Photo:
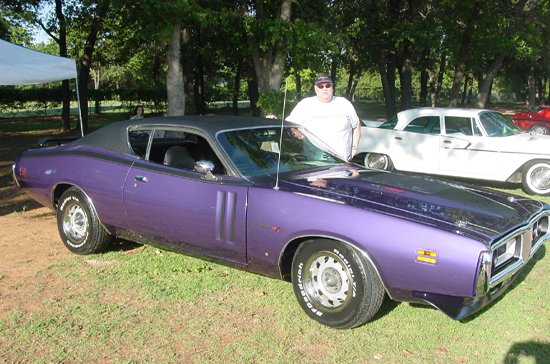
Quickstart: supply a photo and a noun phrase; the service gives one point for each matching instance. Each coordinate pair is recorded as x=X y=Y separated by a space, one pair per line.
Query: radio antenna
x=281 y=139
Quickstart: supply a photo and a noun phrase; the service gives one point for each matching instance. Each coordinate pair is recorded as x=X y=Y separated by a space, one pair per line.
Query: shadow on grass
x=522 y=351
x=121 y=245
x=388 y=305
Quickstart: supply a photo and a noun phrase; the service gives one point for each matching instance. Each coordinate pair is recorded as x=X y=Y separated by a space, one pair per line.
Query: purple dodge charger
x=272 y=199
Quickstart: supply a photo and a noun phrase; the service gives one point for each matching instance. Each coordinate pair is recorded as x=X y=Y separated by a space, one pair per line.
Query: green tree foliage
x=404 y=52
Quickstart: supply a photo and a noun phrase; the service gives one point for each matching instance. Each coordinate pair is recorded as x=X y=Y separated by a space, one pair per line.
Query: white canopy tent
x=24 y=66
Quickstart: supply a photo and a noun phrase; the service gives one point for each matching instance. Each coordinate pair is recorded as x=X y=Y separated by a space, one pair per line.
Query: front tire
x=536 y=178
x=335 y=285
x=78 y=224
x=378 y=161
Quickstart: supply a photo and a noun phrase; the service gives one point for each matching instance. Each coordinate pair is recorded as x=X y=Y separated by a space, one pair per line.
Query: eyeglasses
x=327 y=85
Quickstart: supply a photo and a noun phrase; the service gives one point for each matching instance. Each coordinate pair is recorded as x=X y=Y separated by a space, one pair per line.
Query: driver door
x=175 y=205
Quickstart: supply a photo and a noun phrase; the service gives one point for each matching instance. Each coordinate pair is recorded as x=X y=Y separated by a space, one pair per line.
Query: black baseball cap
x=323 y=78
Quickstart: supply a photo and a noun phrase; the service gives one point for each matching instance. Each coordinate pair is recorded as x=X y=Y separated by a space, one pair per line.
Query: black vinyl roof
x=114 y=136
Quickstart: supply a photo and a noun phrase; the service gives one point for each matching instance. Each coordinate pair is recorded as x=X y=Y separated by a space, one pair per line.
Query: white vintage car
x=467 y=143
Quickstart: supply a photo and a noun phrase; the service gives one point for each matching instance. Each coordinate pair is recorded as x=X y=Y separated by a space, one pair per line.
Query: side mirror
x=206 y=167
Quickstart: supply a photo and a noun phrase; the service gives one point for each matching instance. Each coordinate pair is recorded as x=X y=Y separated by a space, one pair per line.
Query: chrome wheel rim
x=377 y=161
x=328 y=280
x=540 y=177
x=539 y=129
x=75 y=224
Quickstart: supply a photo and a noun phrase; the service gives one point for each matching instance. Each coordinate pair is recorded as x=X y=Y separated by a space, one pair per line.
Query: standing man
x=332 y=119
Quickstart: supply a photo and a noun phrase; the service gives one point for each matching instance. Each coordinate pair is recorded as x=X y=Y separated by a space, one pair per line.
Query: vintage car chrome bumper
x=14 y=175
x=497 y=269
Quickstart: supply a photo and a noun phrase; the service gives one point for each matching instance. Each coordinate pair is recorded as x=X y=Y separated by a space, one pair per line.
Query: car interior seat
x=179 y=157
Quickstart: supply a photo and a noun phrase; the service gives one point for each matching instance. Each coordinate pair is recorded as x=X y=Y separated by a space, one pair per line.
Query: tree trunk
x=298 y=79
x=200 y=104
x=486 y=83
x=252 y=82
x=424 y=79
x=463 y=54
x=433 y=88
x=541 y=85
x=188 y=74
x=465 y=90
x=85 y=64
x=440 y=79
x=236 y=89
x=470 y=90
x=65 y=88
x=353 y=88
x=460 y=67
x=174 y=75
x=269 y=63
x=531 y=86
x=389 y=96
x=351 y=77
x=333 y=69
x=406 y=77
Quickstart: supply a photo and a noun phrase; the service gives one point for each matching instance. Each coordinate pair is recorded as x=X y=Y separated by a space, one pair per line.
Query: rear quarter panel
x=98 y=173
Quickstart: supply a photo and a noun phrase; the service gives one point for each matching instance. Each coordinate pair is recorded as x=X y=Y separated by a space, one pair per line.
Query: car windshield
x=496 y=125
x=255 y=152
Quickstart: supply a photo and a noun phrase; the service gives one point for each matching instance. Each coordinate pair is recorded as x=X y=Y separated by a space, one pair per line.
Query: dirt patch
x=29 y=241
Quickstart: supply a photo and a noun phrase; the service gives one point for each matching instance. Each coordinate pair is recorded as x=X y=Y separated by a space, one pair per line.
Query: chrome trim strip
x=484 y=274
x=14 y=175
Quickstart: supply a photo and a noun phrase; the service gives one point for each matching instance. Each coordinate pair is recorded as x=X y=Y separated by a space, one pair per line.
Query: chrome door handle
x=141 y=178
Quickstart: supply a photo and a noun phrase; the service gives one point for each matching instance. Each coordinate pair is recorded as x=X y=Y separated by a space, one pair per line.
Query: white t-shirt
x=332 y=122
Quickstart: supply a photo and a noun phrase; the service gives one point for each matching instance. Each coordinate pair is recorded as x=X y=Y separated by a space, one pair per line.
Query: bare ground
x=28 y=234
x=28 y=231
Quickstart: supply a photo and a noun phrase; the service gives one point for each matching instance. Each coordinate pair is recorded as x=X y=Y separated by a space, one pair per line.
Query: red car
x=538 y=122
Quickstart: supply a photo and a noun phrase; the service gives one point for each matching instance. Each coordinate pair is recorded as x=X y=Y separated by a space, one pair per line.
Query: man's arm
x=356 y=135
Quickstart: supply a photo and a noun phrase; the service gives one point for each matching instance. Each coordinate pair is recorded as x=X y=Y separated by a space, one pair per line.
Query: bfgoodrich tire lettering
x=335 y=284
x=78 y=224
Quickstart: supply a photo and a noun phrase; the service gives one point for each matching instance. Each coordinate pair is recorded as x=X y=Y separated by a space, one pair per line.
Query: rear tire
x=536 y=178
x=78 y=224
x=335 y=285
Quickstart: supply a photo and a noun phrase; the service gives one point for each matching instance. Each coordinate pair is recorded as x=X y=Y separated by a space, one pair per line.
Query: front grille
x=509 y=254
x=512 y=252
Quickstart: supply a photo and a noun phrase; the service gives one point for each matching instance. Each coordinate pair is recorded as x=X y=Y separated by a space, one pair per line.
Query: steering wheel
x=296 y=158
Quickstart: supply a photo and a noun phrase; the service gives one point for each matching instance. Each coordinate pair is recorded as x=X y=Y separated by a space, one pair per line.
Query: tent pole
x=78 y=103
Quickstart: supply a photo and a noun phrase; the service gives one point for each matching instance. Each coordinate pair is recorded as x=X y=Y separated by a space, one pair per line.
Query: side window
x=139 y=139
x=179 y=149
x=418 y=125
x=424 y=125
x=390 y=124
x=460 y=125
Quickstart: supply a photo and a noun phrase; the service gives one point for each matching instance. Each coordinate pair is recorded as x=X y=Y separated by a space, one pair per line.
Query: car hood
x=451 y=206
